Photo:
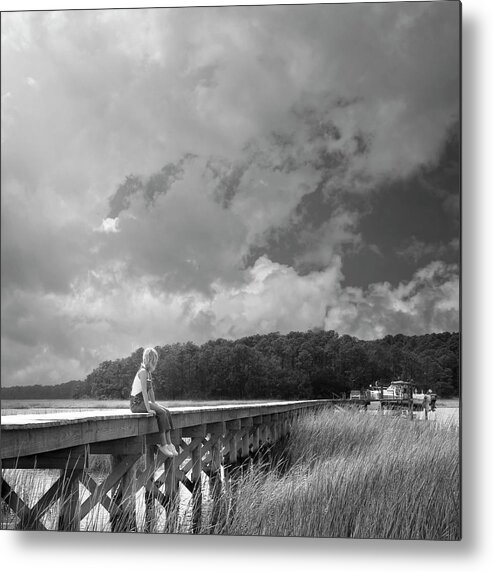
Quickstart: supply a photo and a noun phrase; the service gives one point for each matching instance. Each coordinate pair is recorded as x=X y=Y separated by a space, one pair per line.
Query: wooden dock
x=212 y=440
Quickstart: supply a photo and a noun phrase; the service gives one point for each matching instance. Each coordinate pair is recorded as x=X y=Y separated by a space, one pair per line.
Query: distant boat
x=397 y=391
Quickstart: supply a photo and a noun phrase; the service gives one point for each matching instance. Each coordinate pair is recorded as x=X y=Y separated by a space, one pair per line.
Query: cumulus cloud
x=109 y=225
x=271 y=297
x=429 y=302
x=149 y=157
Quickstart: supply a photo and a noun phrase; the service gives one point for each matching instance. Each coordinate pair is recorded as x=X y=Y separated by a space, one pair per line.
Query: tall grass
x=339 y=474
x=353 y=475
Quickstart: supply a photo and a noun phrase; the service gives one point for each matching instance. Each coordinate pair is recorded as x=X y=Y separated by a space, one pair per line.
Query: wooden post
x=274 y=421
x=266 y=430
x=215 y=483
x=231 y=429
x=172 y=484
x=246 y=423
x=149 y=496
x=261 y=436
x=257 y=423
x=123 y=516
x=196 y=488
x=244 y=444
x=256 y=439
x=172 y=492
x=233 y=448
x=129 y=513
x=281 y=425
x=69 y=515
x=411 y=404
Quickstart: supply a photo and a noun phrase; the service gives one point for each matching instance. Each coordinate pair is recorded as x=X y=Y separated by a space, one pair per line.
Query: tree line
x=60 y=391
x=299 y=365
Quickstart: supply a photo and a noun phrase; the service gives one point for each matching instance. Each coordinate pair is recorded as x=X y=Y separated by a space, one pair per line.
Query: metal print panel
x=231 y=269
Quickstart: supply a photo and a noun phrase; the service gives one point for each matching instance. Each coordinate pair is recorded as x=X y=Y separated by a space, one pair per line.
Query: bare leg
x=164 y=424
x=165 y=438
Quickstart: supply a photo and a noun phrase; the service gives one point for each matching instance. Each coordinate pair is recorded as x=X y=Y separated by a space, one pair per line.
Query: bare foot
x=165 y=450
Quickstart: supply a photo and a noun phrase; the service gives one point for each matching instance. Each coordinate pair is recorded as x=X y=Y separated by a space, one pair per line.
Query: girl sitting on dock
x=142 y=400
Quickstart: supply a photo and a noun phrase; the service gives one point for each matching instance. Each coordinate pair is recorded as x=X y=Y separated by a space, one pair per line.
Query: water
x=25 y=406
x=19 y=406
x=440 y=415
x=30 y=484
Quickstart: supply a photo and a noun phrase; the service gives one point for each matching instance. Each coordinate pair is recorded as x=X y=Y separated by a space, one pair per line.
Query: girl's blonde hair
x=149 y=358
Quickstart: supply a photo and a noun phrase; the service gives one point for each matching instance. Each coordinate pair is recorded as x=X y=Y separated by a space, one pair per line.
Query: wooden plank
x=21 y=442
x=216 y=428
x=233 y=425
x=194 y=443
x=187 y=467
x=207 y=445
x=160 y=497
x=187 y=483
x=69 y=458
x=110 y=481
x=91 y=485
x=69 y=512
x=196 y=416
x=151 y=439
x=24 y=435
x=211 y=413
x=195 y=431
x=45 y=461
x=42 y=505
x=127 y=446
x=28 y=519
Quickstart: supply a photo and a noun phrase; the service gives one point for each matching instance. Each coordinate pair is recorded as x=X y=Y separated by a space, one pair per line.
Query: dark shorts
x=164 y=420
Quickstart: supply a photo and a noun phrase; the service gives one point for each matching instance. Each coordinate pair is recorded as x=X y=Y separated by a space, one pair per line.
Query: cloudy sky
x=194 y=173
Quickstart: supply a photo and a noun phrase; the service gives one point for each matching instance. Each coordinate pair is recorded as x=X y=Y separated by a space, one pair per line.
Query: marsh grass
x=340 y=474
x=351 y=475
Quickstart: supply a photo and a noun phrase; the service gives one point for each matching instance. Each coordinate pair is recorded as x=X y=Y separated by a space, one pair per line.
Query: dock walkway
x=212 y=440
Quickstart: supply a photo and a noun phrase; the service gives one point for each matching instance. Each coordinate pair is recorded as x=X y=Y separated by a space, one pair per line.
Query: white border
x=96 y=551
